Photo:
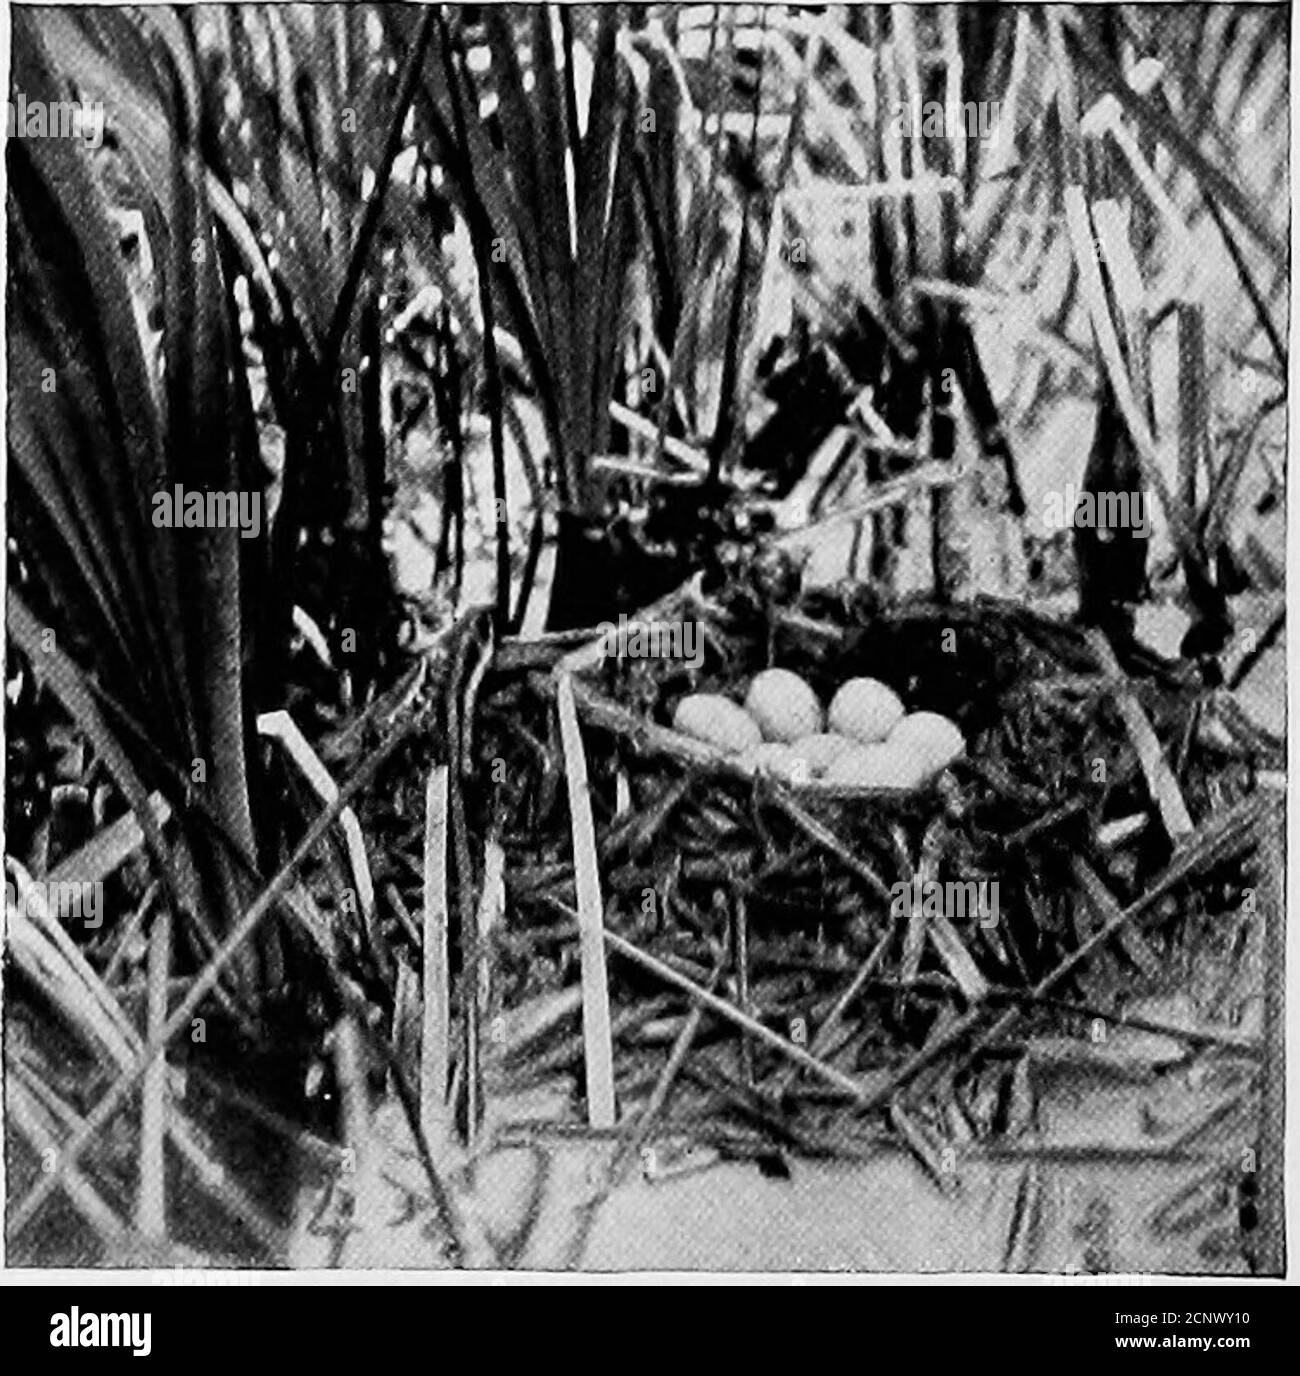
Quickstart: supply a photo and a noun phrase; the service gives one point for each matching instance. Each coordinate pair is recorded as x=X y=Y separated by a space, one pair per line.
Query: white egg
x=783 y=705
x=935 y=738
x=719 y=721
x=865 y=710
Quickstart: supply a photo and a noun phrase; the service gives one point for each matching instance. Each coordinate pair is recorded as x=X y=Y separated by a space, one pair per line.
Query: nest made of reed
x=776 y=895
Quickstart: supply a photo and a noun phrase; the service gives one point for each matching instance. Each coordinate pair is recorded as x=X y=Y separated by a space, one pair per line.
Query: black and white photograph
x=645 y=639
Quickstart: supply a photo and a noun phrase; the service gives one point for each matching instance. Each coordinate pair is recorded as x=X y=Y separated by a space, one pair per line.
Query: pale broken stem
x=914 y=934
x=740 y=959
x=405 y=1028
x=435 y=1034
x=403 y=915
x=1161 y=783
x=1078 y=220
x=491 y=909
x=532 y=617
x=598 y=1049
x=1094 y=295
x=1114 y=835
x=794 y=511
x=109 y=848
x=151 y=1204
x=957 y=960
x=350 y=1075
x=931 y=476
x=692 y=458
x=1130 y=300
x=486 y=652
x=280 y=726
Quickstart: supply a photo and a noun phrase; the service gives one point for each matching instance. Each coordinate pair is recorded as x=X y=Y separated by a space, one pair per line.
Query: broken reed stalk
x=598 y=1046
x=24 y=1210
x=956 y=959
x=1193 y=410
x=281 y=727
x=484 y=653
x=942 y=934
x=406 y=1028
x=469 y=1077
x=914 y=934
x=110 y=847
x=402 y=913
x=151 y=1203
x=435 y=1034
x=491 y=910
x=347 y=1052
x=740 y=956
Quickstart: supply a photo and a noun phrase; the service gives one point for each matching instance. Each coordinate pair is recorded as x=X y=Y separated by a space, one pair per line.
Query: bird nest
x=813 y=952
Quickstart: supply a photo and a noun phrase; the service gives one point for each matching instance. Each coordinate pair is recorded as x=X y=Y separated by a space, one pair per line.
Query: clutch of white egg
x=866 y=739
